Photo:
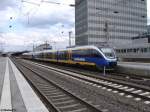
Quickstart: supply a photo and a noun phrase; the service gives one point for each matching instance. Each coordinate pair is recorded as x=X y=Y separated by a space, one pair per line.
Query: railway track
x=140 y=80
x=56 y=97
x=128 y=90
x=131 y=76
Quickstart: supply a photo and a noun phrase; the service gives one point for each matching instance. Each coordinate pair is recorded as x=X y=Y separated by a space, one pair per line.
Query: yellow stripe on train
x=69 y=62
x=76 y=62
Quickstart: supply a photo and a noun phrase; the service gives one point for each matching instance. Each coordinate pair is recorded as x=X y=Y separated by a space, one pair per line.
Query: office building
x=109 y=21
x=42 y=47
x=148 y=29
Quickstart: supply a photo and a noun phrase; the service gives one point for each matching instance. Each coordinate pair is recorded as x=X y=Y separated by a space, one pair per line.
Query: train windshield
x=108 y=52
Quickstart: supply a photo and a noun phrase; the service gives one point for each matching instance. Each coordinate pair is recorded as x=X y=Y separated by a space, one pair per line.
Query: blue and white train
x=85 y=55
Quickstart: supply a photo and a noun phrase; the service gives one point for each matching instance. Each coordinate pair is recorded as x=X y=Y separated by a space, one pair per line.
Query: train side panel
x=83 y=56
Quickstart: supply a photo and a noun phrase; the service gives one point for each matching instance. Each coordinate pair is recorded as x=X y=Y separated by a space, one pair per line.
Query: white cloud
x=56 y=36
x=47 y=22
x=148 y=11
x=46 y=16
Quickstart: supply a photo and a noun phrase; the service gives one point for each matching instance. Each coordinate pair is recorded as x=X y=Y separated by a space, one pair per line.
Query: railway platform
x=16 y=95
x=134 y=68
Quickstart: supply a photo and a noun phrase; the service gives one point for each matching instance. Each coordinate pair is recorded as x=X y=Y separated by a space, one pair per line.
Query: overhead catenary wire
x=28 y=13
x=58 y=3
x=39 y=4
x=33 y=3
x=43 y=1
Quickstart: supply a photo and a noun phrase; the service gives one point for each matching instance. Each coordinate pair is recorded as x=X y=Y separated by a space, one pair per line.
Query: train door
x=57 y=56
x=69 y=56
x=53 y=55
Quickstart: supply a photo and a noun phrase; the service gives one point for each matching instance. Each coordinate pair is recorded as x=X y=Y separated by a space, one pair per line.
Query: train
x=134 y=53
x=137 y=51
x=90 y=55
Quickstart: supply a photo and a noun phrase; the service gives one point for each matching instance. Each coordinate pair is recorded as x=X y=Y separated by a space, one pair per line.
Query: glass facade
x=148 y=29
x=112 y=21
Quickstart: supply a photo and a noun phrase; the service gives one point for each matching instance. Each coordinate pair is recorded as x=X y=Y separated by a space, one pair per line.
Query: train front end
x=109 y=56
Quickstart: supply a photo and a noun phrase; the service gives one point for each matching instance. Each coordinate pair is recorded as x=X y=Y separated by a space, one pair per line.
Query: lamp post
x=106 y=30
x=106 y=23
x=70 y=34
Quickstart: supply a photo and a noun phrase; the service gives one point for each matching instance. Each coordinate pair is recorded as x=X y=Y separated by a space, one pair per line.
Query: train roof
x=73 y=48
x=89 y=46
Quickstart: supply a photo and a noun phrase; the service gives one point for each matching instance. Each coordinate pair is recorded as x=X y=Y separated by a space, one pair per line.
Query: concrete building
x=42 y=47
x=139 y=50
x=112 y=21
x=148 y=29
x=141 y=39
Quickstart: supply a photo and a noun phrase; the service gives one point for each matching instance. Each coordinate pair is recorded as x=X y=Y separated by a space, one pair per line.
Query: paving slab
x=31 y=100
x=16 y=95
x=2 y=73
x=17 y=100
x=5 y=103
x=134 y=68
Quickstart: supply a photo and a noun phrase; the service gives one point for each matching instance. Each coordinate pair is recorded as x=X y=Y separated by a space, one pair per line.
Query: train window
x=130 y=50
x=117 y=50
x=50 y=55
x=142 y=50
x=66 y=56
x=149 y=40
x=86 y=53
x=108 y=52
x=44 y=55
x=124 y=50
x=60 y=55
x=80 y=53
x=95 y=53
x=145 y=49
x=120 y=50
x=41 y=55
x=137 y=50
x=54 y=55
x=134 y=50
x=75 y=52
x=63 y=55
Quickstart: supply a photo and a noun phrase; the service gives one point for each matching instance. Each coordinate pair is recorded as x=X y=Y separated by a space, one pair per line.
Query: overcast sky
x=22 y=23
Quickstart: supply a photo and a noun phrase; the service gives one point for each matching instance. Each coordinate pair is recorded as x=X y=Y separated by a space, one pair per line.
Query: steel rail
x=92 y=107
x=103 y=84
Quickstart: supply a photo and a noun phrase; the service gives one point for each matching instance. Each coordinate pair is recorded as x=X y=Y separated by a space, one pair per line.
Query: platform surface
x=136 y=68
x=16 y=95
x=135 y=64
